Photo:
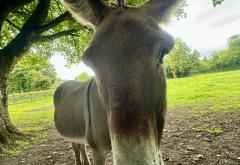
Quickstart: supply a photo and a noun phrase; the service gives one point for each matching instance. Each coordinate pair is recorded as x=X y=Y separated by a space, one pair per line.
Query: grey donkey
x=122 y=109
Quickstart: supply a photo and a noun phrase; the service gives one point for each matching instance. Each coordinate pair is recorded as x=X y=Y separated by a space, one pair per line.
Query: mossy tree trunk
x=6 y=126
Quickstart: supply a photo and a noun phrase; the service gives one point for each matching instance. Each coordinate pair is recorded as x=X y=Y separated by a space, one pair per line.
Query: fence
x=28 y=97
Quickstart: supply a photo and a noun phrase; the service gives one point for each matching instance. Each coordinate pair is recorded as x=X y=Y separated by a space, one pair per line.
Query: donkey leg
x=98 y=157
x=76 y=148
x=160 y=158
x=84 y=154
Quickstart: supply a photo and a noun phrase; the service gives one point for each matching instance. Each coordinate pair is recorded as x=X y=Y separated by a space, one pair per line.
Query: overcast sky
x=206 y=29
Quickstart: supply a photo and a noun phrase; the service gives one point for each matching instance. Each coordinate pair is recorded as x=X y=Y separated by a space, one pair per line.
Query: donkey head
x=126 y=55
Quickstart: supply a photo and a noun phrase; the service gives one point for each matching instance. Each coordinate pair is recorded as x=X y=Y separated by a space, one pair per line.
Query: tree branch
x=38 y=16
x=6 y=6
x=59 y=8
x=63 y=17
x=56 y=35
x=12 y=24
x=21 y=13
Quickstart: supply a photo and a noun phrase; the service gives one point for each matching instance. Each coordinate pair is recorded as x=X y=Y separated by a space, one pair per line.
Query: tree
x=33 y=24
x=234 y=42
x=181 y=60
x=226 y=59
x=33 y=72
x=195 y=62
x=83 y=77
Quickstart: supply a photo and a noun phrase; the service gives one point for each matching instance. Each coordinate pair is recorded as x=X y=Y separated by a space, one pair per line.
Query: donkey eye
x=161 y=54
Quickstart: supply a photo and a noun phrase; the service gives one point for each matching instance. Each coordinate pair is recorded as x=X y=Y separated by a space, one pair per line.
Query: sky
x=206 y=29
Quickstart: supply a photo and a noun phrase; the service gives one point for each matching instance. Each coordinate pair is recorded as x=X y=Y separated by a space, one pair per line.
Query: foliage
x=217 y=2
x=227 y=59
x=71 y=46
x=234 y=42
x=57 y=83
x=33 y=72
x=83 y=77
x=181 y=60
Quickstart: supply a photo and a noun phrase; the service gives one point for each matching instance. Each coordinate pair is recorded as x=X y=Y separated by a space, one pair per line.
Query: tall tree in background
x=32 y=73
x=234 y=42
x=181 y=60
x=83 y=77
x=226 y=59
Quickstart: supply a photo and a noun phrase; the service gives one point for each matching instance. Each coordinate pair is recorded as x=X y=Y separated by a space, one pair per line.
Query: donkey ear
x=161 y=10
x=87 y=12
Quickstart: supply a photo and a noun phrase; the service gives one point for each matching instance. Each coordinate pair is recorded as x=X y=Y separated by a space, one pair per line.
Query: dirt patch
x=191 y=139
x=42 y=108
x=188 y=139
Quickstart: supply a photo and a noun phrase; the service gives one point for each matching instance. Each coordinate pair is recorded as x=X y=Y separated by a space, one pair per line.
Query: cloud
x=207 y=28
x=227 y=13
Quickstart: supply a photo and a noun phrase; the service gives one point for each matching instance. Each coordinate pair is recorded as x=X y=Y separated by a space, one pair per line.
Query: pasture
x=202 y=125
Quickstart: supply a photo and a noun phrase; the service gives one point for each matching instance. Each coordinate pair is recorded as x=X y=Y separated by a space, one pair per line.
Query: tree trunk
x=7 y=129
x=12 y=53
x=174 y=74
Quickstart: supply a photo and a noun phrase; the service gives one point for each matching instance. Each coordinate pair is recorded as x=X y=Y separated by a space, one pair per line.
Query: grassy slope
x=214 y=91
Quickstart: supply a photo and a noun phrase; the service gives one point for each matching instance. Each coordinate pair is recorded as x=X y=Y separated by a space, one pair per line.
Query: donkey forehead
x=127 y=32
x=128 y=25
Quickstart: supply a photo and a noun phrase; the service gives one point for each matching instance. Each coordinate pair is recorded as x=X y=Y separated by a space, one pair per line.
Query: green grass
x=22 y=116
x=212 y=131
x=30 y=122
x=213 y=92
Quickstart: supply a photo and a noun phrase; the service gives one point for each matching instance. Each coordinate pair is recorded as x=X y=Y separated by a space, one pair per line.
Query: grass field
x=200 y=93
x=30 y=118
x=212 y=92
x=30 y=115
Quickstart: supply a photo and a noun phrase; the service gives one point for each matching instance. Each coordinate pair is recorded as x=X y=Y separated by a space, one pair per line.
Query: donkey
x=80 y=154
x=123 y=107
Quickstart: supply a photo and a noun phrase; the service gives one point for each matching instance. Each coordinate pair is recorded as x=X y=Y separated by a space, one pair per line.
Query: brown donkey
x=122 y=109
